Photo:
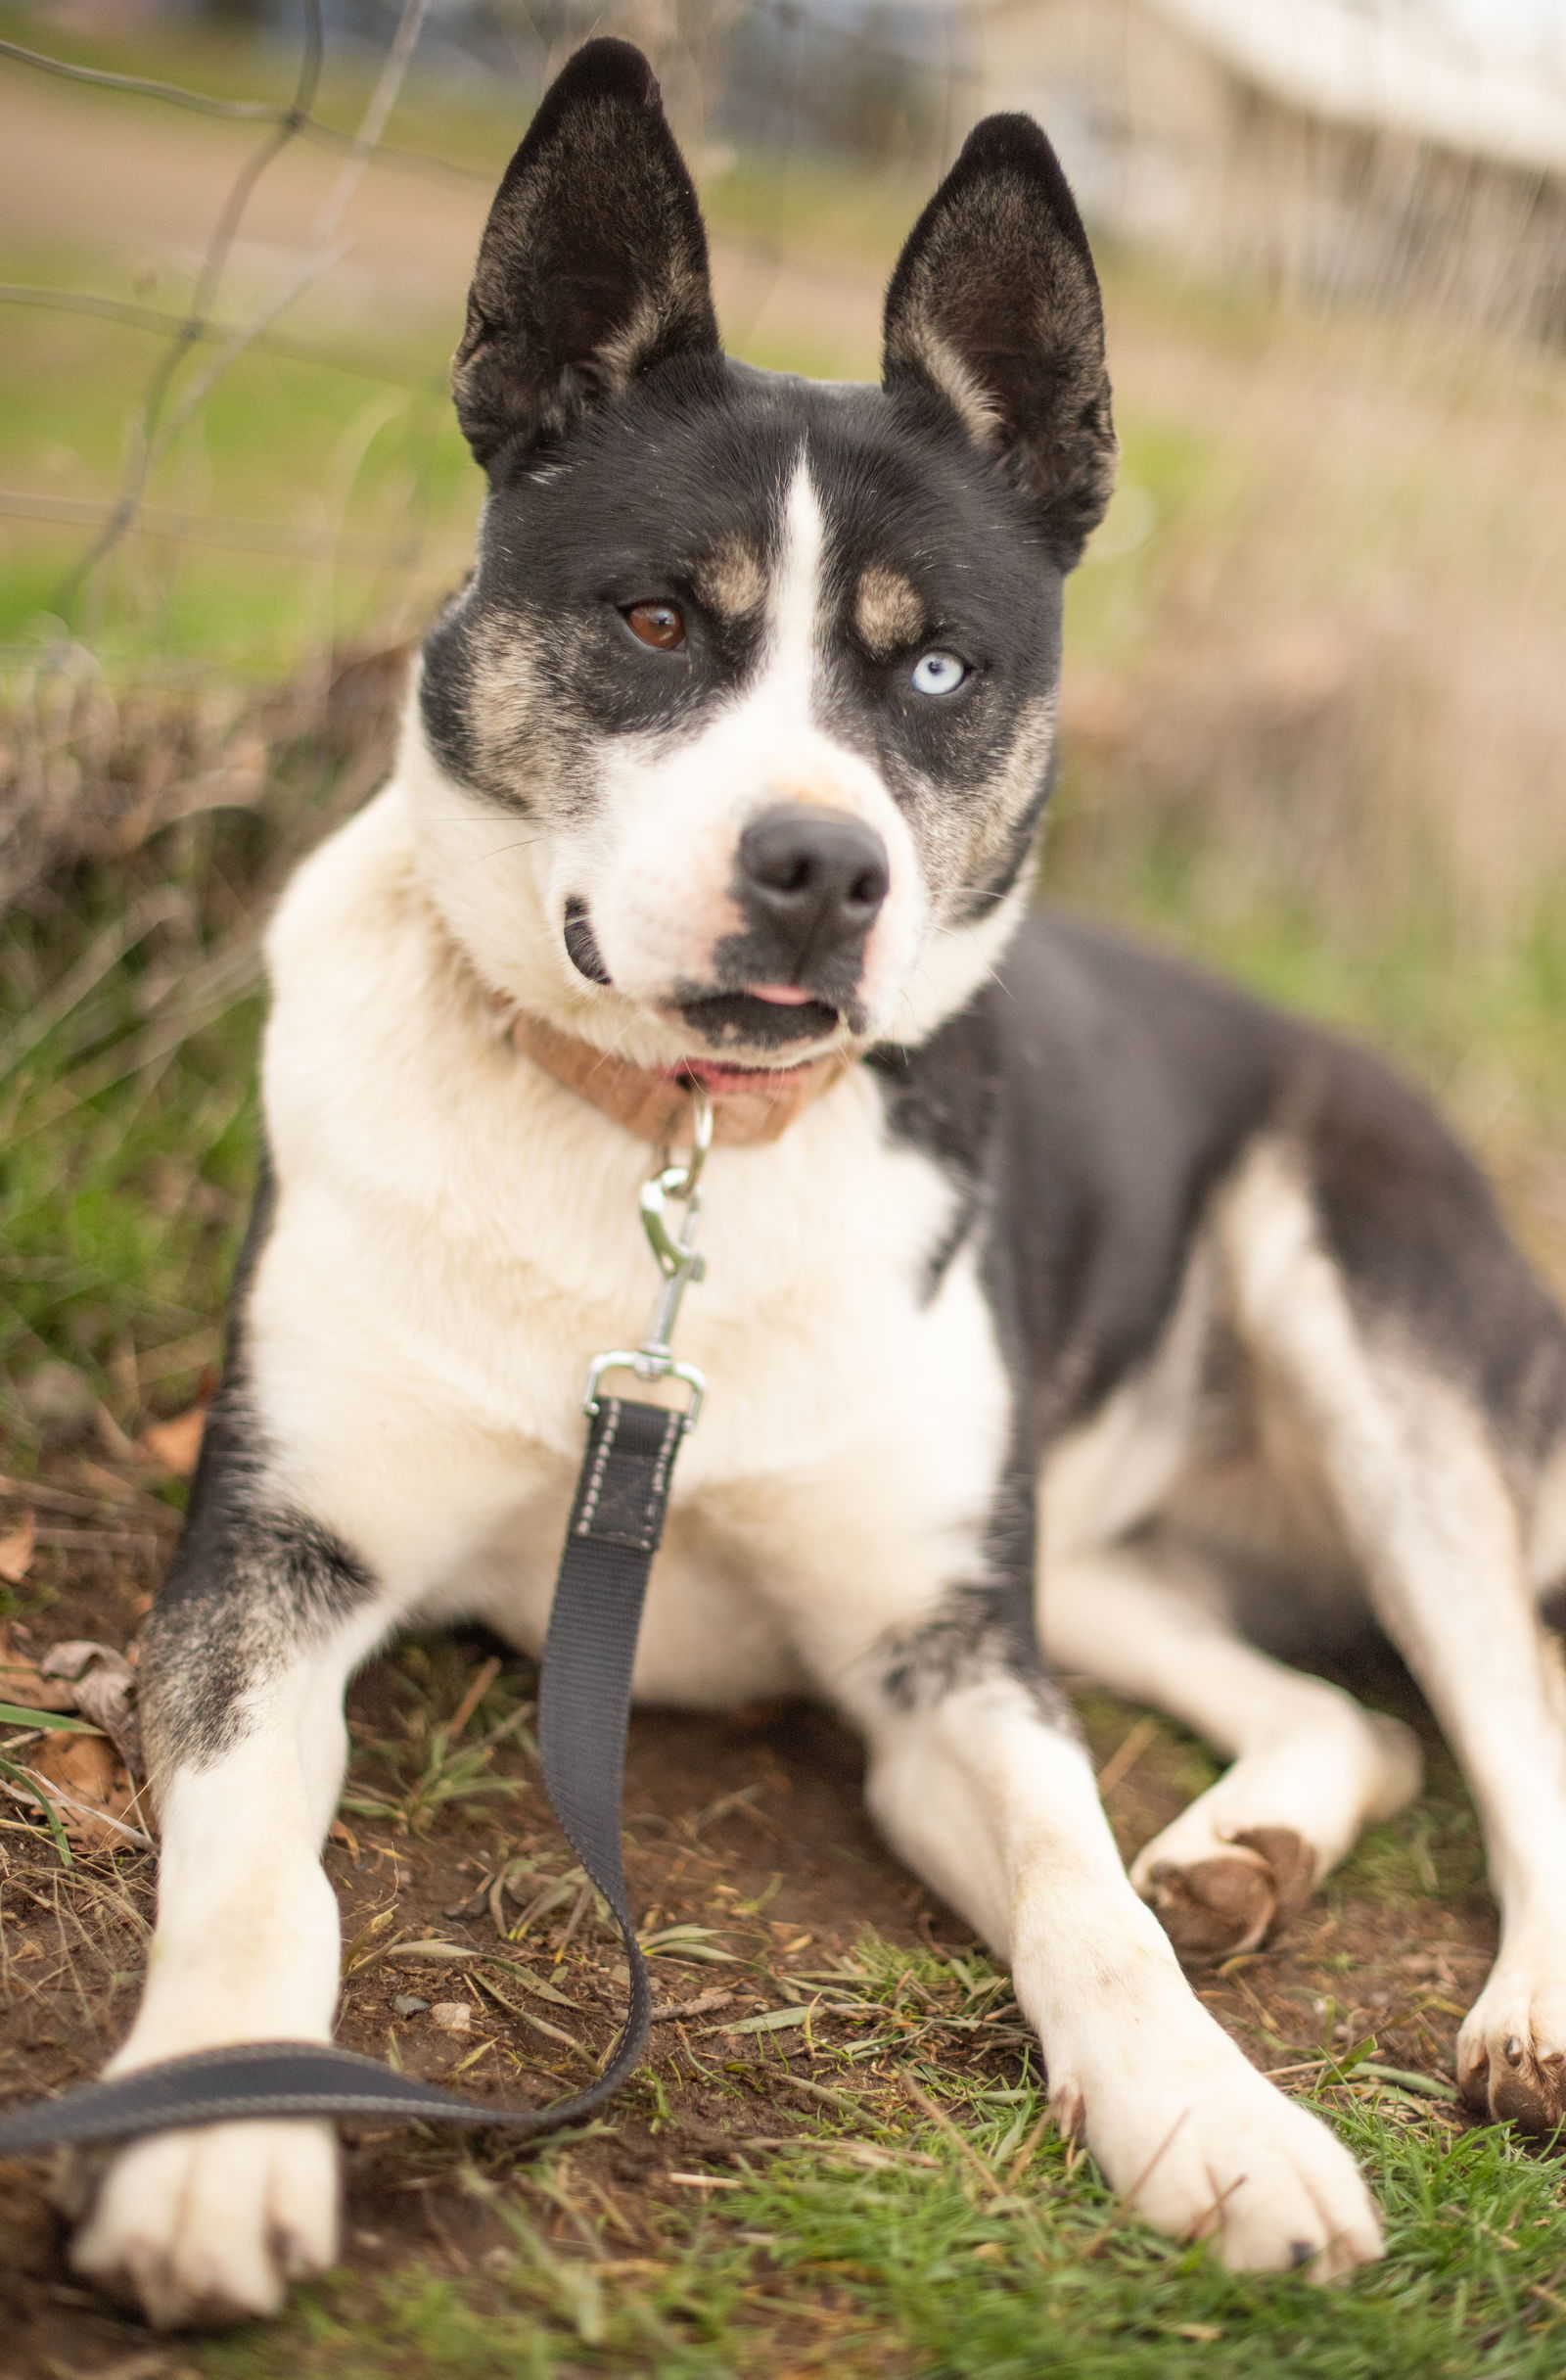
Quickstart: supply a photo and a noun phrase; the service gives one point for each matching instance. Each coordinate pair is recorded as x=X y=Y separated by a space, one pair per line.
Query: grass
x=976 y=2246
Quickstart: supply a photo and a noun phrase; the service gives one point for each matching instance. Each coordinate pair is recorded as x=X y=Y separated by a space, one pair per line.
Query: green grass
x=977 y=2250
x=368 y=488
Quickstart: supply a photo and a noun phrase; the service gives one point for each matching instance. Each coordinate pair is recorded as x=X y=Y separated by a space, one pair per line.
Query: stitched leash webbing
x=583 y=1709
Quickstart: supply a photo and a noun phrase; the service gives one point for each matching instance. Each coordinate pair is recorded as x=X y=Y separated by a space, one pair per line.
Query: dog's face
x=738 y=737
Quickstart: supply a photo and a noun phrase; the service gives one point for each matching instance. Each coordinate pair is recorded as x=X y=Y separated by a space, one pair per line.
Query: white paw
x=1204 y=2147
x=1511 y=2051
x=211 y=2225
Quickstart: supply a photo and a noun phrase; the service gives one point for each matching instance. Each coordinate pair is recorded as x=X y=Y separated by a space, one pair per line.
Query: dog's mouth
x=750 y=1020
x=724 y=1081
x=781 y=1017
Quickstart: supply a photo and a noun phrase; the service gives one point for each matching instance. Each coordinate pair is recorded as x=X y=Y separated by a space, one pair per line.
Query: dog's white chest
x=845 y=1452
x=458 y=1237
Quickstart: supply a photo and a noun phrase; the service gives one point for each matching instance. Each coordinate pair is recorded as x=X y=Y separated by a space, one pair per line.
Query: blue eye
x=939 y=674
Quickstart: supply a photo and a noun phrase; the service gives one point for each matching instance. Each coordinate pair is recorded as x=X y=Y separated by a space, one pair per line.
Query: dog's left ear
x=994 y=305
x=593 y=265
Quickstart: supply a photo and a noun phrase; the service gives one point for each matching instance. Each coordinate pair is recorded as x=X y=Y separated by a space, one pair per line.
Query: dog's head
x=736 y=742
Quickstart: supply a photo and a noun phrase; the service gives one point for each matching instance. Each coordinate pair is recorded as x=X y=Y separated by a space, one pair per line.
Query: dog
x=1042 y=1269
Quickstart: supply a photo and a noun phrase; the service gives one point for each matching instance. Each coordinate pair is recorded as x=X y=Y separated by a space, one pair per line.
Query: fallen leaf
x=92 y=1787
x=23 y=1681
x=103 y=1684
x=176 y=1444
x=15 y=1549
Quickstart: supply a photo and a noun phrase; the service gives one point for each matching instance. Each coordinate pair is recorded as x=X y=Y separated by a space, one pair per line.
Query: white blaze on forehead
x=792 y=649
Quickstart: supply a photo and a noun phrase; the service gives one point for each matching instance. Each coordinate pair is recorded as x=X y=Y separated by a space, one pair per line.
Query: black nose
x=815 y=879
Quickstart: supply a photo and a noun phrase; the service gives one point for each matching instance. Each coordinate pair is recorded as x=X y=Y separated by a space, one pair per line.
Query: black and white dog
x=1032 y=1257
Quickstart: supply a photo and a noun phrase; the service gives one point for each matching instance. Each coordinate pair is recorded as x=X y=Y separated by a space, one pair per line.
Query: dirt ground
x=750 y=1827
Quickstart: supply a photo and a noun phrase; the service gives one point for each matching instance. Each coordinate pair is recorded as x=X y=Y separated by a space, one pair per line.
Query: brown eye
x=659 y=624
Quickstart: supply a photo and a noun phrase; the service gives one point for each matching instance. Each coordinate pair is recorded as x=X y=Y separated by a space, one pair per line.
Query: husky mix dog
x=1054 y=1289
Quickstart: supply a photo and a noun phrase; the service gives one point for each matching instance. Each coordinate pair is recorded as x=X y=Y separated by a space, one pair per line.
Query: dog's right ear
x=593 y=265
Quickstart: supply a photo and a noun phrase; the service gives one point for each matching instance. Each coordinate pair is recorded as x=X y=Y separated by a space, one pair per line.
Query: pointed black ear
x=994 y=304
x=594 y=263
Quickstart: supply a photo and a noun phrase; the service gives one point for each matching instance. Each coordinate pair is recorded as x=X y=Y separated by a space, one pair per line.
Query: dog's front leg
x=980 y=1781
x=243 y=1681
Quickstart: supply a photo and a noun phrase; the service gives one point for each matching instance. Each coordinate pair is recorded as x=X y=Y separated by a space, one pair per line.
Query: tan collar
x=658 y=1109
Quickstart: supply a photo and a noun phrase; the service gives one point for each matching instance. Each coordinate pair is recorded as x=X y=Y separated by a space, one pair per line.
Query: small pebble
x=453 y=2016
x=407 y=2004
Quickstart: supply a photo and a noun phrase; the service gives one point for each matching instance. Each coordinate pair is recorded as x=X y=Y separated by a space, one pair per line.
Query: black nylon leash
x=616 y=1524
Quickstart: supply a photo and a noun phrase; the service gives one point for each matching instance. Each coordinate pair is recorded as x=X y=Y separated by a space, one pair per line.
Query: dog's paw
x=209 y=2226
x=1251 y=1850
x=1218 y=1895
x=1204 y=2147
x=1511 y=2051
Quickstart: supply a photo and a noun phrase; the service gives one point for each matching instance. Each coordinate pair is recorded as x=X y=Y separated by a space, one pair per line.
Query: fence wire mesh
x=757 y=88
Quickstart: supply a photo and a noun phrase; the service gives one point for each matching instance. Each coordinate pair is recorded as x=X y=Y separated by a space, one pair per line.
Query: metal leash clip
x=675 y=1259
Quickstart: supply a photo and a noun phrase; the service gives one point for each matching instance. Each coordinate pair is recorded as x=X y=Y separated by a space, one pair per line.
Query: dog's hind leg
x=979 y=1779
x=1438 y=1528
x=1311 y=1767
x=243 y=1676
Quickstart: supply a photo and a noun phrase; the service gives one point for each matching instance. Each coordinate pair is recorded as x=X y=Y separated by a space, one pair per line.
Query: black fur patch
x=1417 y=1227
x=941 y=1099
x=978 y=1633
x=249 y=1578
x=249 y=1587
x=582 y=944
x=594 y=263
x=735 y=1020
x=994 y=307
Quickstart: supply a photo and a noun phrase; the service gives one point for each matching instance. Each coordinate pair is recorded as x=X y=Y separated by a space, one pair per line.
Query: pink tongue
x=781 y=995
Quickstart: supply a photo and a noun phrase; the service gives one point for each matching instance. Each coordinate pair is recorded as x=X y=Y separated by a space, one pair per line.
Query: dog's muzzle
x=812 y=884
x=809 y=885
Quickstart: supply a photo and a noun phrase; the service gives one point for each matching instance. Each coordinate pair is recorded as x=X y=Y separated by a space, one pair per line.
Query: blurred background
x=1315 y=696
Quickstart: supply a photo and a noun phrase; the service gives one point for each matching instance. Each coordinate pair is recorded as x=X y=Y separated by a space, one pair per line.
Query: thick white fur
x=1002 y=1815
x=216 y=2222
x=456 y=1235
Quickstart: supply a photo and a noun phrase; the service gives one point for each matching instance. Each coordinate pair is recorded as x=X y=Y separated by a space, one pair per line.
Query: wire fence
x=782 y=79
